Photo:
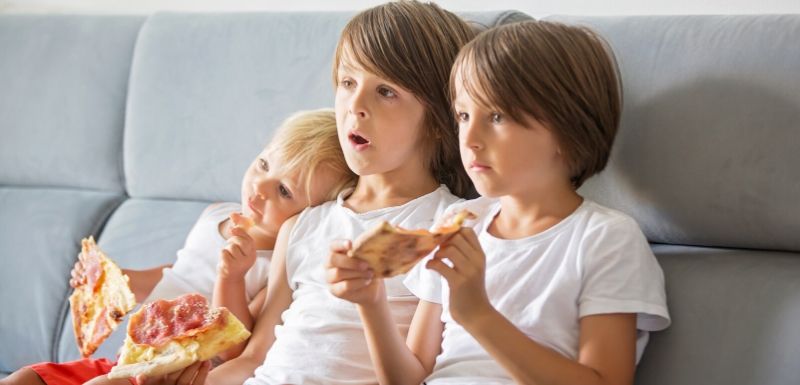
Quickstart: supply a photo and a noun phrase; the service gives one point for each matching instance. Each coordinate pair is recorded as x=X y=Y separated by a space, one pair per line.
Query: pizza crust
x=141 y=359
x=391 y=250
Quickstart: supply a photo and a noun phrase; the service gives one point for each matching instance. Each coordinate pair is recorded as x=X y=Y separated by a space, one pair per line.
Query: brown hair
x=307 y=141
x=414 y=45
x=564 y=76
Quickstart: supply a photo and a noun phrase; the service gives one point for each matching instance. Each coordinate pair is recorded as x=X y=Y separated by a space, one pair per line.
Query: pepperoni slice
x=161 y=321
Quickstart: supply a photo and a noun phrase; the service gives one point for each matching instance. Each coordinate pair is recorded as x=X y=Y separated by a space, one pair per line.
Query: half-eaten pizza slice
x=100 y=300
x=391 y=250
x=168 y=335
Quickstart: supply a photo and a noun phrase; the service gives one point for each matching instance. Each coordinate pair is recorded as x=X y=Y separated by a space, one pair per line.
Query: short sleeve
x=424 y=283
x=620 y=274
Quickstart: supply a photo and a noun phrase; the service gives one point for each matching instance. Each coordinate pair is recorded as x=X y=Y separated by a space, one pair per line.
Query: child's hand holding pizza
x=351 y=278
x=465 y=275
x=240 y=253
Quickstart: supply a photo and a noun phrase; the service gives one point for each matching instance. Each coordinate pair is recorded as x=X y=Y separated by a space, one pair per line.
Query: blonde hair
x=414 y=45
x=562 y=75
x=307 y=142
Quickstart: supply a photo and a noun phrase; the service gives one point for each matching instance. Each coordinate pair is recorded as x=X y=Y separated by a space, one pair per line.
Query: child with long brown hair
x=545 y=287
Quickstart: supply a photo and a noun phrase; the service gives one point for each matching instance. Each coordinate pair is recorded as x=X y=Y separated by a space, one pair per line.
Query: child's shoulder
x=599 y=217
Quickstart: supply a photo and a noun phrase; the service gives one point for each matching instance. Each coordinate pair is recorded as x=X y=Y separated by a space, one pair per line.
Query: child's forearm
x=527 y=361
x=234 y=372
x=394 y=362
x=231 y=293
x=142 y=282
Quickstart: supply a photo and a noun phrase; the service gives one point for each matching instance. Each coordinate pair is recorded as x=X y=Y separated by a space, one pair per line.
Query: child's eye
x=346 y=83
x=262 y=163
x=386 y=92
x=462 y=117
x=496 y=118
x=284 y=192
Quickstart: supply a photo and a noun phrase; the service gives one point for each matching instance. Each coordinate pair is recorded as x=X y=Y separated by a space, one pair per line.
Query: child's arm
x=229 y=289
x=278 y=299
x=396 y=361
x=142 y=282
x=607 y=342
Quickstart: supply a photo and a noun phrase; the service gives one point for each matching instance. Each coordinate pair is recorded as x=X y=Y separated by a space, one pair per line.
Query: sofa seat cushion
x=39 y=243
x=734 y=318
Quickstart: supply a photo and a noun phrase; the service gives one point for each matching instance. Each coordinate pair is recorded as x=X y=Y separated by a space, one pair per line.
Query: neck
x=386 y=190
x=532 y=212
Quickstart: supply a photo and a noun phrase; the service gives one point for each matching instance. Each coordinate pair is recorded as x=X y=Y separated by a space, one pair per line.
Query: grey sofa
x=125 y=127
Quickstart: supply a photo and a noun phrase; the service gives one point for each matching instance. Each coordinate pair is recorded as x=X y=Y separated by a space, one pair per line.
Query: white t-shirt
x=595 y=261
x=321 y=340
x=195 y=270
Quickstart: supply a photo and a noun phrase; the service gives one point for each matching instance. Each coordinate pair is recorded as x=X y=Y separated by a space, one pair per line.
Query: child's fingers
x=472 y=239
x=236 y=251
x=440 y=267
x=460 y=262
x=342 y=261
x=202 y=373
x=188 y=375
x=462 y=247
x=341 y=245
x=349 y=286
x=336 y=275
x=239 y=232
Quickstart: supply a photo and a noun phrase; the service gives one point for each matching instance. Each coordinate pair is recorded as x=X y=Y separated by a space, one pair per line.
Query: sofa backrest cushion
x=64 y=82
x=709 y=146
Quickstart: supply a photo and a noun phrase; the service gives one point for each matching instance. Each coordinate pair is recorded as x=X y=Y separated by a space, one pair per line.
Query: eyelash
x=263 y=164
x=284 y=192
x=383 y=91
x=495 y=117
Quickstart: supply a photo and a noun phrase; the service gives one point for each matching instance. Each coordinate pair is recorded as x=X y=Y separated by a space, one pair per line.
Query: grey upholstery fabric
x=734 y=319
x=41 y=229
x=207 y=91
x=707 y=153
x=64 y=82
x=140 y=234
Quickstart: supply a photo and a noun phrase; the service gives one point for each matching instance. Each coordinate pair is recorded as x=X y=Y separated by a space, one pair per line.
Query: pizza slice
x=168 y=335
x=100 y=300
x=391 y=250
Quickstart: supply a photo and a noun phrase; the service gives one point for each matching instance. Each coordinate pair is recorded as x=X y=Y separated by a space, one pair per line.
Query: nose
x=470 y=134
x=260 y=187
x=358 y=103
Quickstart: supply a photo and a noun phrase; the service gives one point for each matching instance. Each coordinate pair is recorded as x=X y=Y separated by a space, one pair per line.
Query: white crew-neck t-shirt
x=595 y=261
x=321 y=340
x=195 y=269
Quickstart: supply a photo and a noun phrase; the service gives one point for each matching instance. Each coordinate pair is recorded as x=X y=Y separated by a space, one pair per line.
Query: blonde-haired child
x=545 y=287
x=302 y=165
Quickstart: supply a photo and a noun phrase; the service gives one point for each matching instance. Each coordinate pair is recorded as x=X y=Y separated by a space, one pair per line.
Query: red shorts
x=73 y=372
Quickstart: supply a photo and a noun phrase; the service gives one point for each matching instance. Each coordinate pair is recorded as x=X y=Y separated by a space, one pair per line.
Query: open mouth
x=358 y=140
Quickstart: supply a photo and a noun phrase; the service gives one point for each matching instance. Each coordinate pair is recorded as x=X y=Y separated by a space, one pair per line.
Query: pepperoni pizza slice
x=168 y=335
x=391 y=250
x=100 y=300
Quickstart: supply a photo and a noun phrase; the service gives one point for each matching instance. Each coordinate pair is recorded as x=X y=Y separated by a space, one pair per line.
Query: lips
x=358 y=140
x=477 y=166
x=251 y=204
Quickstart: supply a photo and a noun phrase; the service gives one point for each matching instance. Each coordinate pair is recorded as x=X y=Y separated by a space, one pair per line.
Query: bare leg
x=24 y=376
